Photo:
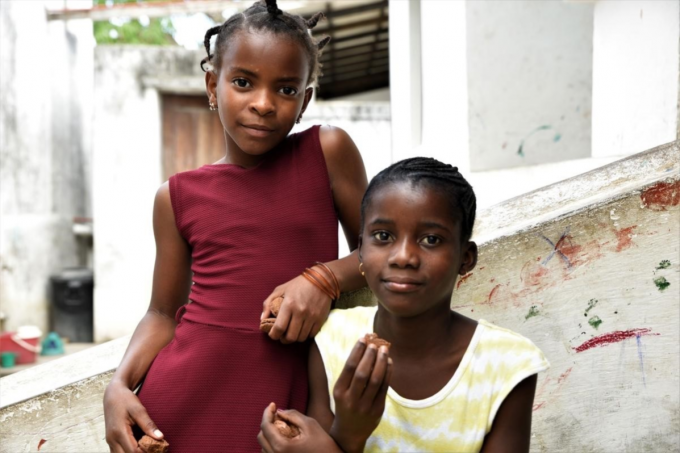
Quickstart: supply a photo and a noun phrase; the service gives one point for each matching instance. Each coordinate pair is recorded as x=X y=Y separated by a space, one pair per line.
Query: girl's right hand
x=359 y=395
x=122 y=411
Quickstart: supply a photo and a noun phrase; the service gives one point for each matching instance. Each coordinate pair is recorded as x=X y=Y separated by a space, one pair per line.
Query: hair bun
x=272 y=8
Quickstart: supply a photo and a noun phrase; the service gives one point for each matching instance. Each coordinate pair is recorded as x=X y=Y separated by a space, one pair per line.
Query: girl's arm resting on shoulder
x=348 y=182
x=171 y=284
x=511 y=429
x=305 y=307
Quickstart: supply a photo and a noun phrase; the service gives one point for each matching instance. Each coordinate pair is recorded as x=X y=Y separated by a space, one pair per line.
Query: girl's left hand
x=312 y=437
x=304 y=310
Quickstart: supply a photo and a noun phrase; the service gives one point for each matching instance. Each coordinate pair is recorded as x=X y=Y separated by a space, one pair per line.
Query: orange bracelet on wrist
x=316 y=282
x=319 y=277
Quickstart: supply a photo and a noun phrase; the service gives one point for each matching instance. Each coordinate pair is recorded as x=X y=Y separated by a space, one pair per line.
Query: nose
x=405 y=254
x=262 y=103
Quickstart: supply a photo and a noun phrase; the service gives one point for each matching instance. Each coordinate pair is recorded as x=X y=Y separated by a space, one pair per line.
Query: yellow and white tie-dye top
x=457 y=417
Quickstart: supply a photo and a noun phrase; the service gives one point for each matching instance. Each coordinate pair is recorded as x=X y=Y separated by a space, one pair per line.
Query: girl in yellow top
x=448 y=383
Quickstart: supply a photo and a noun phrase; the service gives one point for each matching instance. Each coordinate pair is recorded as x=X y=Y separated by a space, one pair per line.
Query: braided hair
x=265 y=15
x=435 y=174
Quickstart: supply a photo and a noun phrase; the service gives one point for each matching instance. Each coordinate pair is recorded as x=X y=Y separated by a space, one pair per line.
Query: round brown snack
x=372 y=338
x=150 y=445
x=275 y=306
x=285 y=428
x=267 y=324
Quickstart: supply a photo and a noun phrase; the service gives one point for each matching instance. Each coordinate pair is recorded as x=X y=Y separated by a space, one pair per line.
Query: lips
x=257 y=130
x=401 y=284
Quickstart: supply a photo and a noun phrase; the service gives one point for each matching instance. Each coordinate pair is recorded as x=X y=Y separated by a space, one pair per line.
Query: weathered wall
x=594 y=284
x=529 y=82
x=636 y=53
x=44 y=154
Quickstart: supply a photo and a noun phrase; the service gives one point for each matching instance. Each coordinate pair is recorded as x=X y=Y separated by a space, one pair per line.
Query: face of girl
x=411 y=248
x=259 y=91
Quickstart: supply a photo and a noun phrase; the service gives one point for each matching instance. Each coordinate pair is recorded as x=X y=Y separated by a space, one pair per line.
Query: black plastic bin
x=71 y=314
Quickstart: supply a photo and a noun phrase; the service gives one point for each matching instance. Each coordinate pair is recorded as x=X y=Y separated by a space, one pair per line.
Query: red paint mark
x=612 y=337
x=625 y=238
x=492 y=293
x=538 y=258
x=40 y=444
x=463 y=278
x=661 y=195
x=492 y=280
x=564 y=375
x=538 y=406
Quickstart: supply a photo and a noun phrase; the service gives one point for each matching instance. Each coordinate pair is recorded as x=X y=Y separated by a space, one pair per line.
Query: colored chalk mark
x=533 y=311
x=665 y=264
x=642 y=365
x=557 y=137
x=463 y=278
x=595 y=322
x=520 y=150
x=556 y=249
x=661 y=283
x=612 y=337
x=591 y=304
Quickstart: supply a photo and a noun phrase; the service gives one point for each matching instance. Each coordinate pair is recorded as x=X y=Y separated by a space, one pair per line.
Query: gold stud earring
x=363 y=274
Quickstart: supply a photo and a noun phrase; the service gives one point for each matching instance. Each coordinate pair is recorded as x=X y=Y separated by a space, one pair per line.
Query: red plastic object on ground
x=24 y=343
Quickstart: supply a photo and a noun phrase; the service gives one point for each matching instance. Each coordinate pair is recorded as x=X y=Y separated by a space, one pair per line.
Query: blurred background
x=103 y=100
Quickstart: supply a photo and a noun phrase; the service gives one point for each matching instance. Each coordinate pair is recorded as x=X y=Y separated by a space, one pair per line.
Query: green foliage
x=158 y=31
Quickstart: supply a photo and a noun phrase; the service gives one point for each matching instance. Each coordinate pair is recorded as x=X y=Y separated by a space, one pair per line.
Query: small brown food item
x=285 y=428
x=267 y=323
x=150 y=445
x=372 y=338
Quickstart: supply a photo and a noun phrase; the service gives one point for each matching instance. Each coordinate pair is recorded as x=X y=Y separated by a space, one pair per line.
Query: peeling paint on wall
x=661 y=195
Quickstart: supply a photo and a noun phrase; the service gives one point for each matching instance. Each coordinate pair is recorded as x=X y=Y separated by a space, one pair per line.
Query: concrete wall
x=635 y=75
x=45 y=154
x=604 y=244
x=529 y=82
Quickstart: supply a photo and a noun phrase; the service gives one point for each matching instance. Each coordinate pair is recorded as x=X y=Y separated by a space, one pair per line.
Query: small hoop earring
x=212 y=106
x=363 y=274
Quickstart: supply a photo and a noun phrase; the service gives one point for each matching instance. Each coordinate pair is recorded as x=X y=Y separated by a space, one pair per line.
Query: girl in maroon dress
x=226 y=235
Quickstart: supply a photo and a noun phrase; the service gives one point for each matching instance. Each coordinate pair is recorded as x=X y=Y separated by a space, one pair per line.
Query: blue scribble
x=555 y=250
x=642 y=365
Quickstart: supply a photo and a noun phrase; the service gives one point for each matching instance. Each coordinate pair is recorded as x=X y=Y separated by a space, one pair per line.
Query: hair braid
x=266 y=16
x=436 y=174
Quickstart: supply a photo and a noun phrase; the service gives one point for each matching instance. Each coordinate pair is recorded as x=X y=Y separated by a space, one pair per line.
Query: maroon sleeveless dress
x=249 y=230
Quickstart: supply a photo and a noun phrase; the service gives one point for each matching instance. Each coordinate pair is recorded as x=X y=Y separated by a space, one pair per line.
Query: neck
x=419 y=336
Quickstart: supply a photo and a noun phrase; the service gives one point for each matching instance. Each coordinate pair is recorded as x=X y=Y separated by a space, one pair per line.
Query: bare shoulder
x=163 y=215
x=342 y=155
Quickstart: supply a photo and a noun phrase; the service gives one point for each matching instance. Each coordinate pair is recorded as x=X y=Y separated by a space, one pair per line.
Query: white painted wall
x=529 y=80
x=126 y=175
x=44 y=153
x=635 y=75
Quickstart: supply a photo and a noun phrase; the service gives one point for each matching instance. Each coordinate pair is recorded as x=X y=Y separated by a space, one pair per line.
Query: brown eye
x=288 y=91
x=431 y=240
x=381 y=236
x=241 y=83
